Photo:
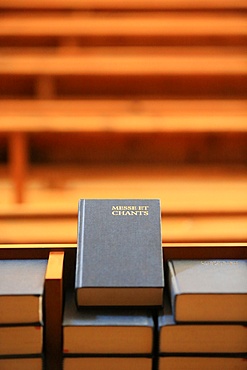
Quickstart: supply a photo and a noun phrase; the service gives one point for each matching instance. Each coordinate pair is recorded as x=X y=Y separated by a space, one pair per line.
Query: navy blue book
x=203 y=362
x=21 y=340
x=119 y=253
x=210 y=290
x=25 y=362
x=21 y=291
x=190 y=337
x=106 y=330
x=107 y=362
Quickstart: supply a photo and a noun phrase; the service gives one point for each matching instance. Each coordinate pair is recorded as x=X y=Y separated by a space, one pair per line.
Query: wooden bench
x=129 y=114
x=193 y=190
x=197 y=206
x=128 y=29
x=186 y=229
x=157 y=132
x=168 y=73
x=126 y=5
x=146 y=72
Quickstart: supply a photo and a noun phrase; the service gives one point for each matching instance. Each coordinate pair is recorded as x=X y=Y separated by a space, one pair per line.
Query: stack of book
x=203 y=322
x=120 y=317
x=106 y=338
x=21 y=321
x=109 y=318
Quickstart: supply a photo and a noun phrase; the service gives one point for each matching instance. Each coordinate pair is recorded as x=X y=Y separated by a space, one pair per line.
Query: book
x=106 y=330
x=21 y=363
x=119 y=253
x=21 y=290
x=209 y=290
x=202 y=362
x=199 y=337
x=21 y=339
x=109 y=363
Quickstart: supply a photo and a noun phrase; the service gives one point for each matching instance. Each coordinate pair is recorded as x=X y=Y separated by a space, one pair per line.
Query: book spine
x=80 y=243
x=173 y=284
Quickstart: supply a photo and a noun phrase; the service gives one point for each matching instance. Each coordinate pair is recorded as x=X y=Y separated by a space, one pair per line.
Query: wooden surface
x=161 y=63
x=57 y=264
x=131 y=131
x=196 y=206
x=175 y=229
x=169 y=72
x=119 y=25
x=129 y=5
x=54 y=310
x=124 y=116
x=125 y=29
x=181 y=190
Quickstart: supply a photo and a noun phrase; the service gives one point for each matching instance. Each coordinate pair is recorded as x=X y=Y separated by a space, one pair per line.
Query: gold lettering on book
x=130 y=210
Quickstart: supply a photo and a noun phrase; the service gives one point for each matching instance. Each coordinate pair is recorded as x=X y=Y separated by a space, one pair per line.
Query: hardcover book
x=109 y=363
x=119 y=254
x=199 y=337
x=205 y=362
x=21 y=290
x=21 y=340
x=21 y=363
x=210 y=290
x=106 y=330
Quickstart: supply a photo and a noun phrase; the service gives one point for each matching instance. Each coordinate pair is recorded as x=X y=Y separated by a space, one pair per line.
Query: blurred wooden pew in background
x=157 y=5
x=123 y=99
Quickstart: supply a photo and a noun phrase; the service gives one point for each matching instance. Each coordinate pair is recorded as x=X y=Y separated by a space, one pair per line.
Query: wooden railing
x=127 y=5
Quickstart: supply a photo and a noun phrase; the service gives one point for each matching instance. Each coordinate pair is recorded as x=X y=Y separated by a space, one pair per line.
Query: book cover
x=21 y=290
x=209 y=290
x=106 y=330
x=119 y=253
x=199 y=337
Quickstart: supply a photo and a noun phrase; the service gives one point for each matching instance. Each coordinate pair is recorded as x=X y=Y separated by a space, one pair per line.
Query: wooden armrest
x=204 y=250
x=122 y=5
x=53 y=310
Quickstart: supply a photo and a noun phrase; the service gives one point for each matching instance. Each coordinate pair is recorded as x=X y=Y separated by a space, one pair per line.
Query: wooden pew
x=168 y=73
x=187 y=229
x=196 y=207
x=182 y=192
x=128 y=121
x=155 y=131
x=126 y=5
x=68 y=31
